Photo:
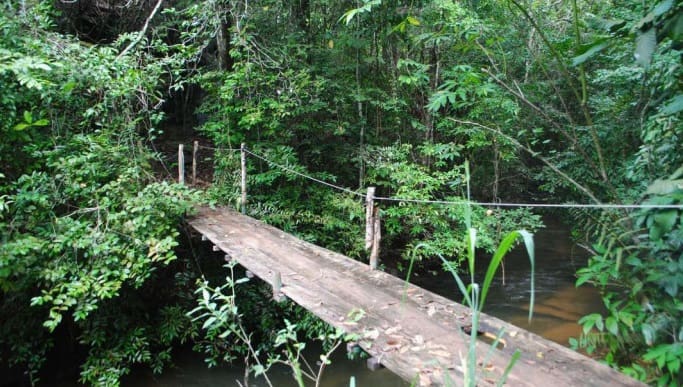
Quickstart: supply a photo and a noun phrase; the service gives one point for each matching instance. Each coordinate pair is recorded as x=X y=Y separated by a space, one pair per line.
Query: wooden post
x=369 y=214
x=373 y=363
x=374 y=252
x=243 y=162
x=195 y=148
x=277 y=288
x=181 y=165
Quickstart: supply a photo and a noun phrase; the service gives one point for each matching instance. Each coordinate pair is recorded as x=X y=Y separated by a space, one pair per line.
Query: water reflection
x=190 y=371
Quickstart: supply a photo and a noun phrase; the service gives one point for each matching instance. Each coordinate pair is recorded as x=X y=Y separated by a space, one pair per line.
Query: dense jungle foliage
x=565 y=101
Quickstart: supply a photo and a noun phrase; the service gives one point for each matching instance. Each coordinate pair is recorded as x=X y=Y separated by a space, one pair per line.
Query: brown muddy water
x=558 y=304
x=557 y=308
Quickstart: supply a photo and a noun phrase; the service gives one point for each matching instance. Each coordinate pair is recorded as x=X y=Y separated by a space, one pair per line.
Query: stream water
x=557 y=308
x=558 y=305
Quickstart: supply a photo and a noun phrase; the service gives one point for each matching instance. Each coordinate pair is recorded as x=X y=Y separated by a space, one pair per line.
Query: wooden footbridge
x=416 y=334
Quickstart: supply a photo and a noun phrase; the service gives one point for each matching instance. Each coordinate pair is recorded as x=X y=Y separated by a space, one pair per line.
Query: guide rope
x=456 y=203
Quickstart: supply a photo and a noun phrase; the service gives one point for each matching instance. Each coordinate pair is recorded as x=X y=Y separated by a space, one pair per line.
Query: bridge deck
x=413 y=332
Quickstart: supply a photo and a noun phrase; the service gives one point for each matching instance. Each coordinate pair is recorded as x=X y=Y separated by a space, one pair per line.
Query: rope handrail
x=290 y=170
x=218 y=148
x=455 y=203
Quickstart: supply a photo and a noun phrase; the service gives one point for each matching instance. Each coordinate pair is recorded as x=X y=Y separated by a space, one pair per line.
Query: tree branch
x=142 y=32
x=534 y=154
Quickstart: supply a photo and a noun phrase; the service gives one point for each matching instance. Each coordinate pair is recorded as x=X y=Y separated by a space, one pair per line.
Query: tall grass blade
x=410 y=272
x=461 y=285
x=511 y=363
x=529 y=243
x=505 y=245
x=471 y=247
x=494 y=346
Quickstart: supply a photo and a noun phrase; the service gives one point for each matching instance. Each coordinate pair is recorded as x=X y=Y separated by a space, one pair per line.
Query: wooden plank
x=413 y=332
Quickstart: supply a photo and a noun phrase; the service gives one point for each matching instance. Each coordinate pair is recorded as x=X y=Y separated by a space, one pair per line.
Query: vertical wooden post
x=195 y=149
x=372 y=227
x=369 y=214
x=181 y=165
x=243 y=162
x=277 y=287
x=374 y=252
x=373 y=363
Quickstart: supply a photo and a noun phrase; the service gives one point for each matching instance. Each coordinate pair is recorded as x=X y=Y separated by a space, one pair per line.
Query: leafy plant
x=475 y=296
x=222 y=319
x=640 y=274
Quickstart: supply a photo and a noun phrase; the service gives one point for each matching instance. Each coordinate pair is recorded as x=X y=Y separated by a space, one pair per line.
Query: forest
x=494 y=101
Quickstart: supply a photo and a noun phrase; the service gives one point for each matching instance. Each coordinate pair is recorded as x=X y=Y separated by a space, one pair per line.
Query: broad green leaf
x=648 y=333
x=666 y=219
x=594 y=49
x=208 y=322
x=663 y=7
x=69 y=86
x=664 y=187
x=503 y=248
x=646 y=43
x=21 y=126
x=41 y=122
x=413 y=21
x=673 y=106
x=28 y=117
x=678 y=173
x=582 y=279
x=348 y=16
x=611 y=325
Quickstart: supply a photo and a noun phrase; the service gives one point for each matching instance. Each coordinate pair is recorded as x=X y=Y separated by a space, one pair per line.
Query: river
x=557 y=308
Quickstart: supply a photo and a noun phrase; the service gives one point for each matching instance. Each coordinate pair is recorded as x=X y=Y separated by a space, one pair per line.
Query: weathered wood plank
x=413 y=332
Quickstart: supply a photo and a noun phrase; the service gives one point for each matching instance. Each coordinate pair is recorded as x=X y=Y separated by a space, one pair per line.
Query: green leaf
x=673 y=106
x=664 y=187
x=515 y=356
x=69 y=86
x=21 y=126
x=413 y=21
x=28 y=118
x=41 y=122
x=663 y=7
x=529 y=244
x=471 y=247
x=591 y=320
x=503 y=248
x=208 y=322
x=666 y=220
x=646 y=43
x=590 y=51
x=456 y=277
x=612 y=326
x=649 y=333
